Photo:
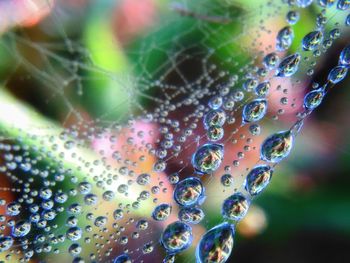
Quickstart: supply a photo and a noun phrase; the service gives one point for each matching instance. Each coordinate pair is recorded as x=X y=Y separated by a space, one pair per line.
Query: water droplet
x=227 y=180
x=326 y=3
x=254 y=110
x=303 y=3
x=177 y=237
x=271 y=60
x=288 y=66
x=216 y=244
x=276 y=147
x=257 y=179
x=292 y=17
x=6 y=243
x=208 y=157
x=313 y=99
x=189 y=192
x=214 y=118
x=347 y=20
x=343 y=4
x=123 y=258
x=161 y=212
x=21 y=229
x=235 y=207
x=312 y=40
x=215 y=133
x=344 y=58
x=254 y=129
x=263 y=89
x=143 y=179
x=193 y=215
x=169 y=259
x=284 y=38
x=337 y=74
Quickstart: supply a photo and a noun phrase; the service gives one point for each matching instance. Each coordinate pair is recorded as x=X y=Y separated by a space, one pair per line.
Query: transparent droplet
x=303 y=3
x=208 y=157
x=214 y=118
x=293 y=17
x=176 y=237
x=288 y=66
x=216 y=244
x=6 y=243
x=347 y=20
x=284 y=38
x=215 y=133
x=21 y=229
x=254 y=129
x=263 y=89
x=337 y=74
x=254 y=110
x=312 y=40
x=343 y=4
x=169 y=259
x=123 y=258
x=257 y=179
x=271 y=60
x=226 y=180
x=313 y=99
x=193 y=215
x=235 y=207
x=276 y=147
x=143 y=179
x=161 y=212
x=344 y=58
x=326 y=3
x=189 y=192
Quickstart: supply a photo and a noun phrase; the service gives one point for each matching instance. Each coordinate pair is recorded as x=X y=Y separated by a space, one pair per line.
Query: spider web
x=105 y=111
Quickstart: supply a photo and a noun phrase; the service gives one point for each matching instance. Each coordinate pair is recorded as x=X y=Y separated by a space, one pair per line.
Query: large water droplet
x=312 y=40
x=288 y=66
x=216 y=244
x=257 y=179
x=208 y=157
x=276 y=147
x=255 y=110
x=21 y=229
x=193 y=215
x=263 y=89
x=176 y=237
x=189 y=192
x=235 y=207
x=343 y=4
x=284 y=38
x=313 y=99
x=344 y=58
x=337 y=74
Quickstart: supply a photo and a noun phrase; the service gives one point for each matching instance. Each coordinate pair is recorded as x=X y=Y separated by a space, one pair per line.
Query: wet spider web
x=114 y=125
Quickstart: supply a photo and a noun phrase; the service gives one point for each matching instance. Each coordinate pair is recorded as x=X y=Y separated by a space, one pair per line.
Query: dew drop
x=189 y=192
x=161 y=212
x=235 y=207
x=257 y=179
x=312 y=40
x=276 y=147
x=208 y=157
x=176 y=237
x=313 y=99
x=288 y=66
x=337 y=74
x=254 y=111
x=216 y=244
